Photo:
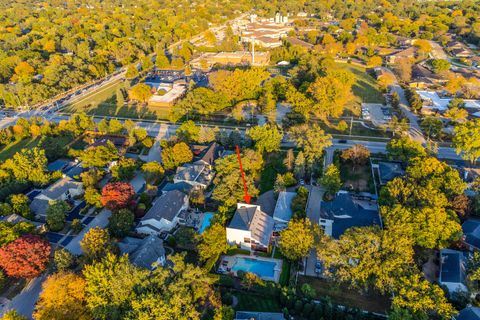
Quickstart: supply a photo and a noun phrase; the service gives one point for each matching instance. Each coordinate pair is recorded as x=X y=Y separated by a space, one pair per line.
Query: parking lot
x=379 y=114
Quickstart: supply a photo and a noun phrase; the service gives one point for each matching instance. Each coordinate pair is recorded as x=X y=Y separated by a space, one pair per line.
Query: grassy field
x=108 y=102
x=344 y=296
x=365 y=87
x=9 y=150
x=255 y=302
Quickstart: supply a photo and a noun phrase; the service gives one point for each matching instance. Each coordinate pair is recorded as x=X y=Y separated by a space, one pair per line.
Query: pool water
x=259 y=267
x=207 y=217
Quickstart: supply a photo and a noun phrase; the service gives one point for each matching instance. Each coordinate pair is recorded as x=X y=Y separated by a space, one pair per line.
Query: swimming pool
x=259 y=267
x=207 y=217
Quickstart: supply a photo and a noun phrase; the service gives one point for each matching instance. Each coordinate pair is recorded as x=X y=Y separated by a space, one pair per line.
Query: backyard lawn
x=357 y=179
x=254 y=302
x=273 y=166
x=109 y=102
x=365 y=87
x=344 y=296
x=9 y=150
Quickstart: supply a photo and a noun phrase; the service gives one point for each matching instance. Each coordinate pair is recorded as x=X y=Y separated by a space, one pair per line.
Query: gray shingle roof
x=283 y=210
x=248 y=315
x=452 y=268
x=148 y=252
x=471 y=230
x=389 y=171
x=166 y=206
x=346 y=214
x=39 y=206
x=189 y=172
x=61 y=186
x=471 y=313
x=252 y=218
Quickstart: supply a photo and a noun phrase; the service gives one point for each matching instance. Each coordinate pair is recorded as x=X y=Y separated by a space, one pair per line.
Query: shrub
x=76 y=225
x=227 y=299
x=63 y=259
x=298 y=306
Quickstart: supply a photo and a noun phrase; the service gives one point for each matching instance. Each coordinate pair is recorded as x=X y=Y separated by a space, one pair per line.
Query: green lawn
x=254 y=302
x=365 y=87
x=273 y=166
x=104 y=103
x=9 y=150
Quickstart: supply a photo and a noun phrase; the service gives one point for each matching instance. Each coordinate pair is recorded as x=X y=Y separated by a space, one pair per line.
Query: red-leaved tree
x=25 y=257
x=117 y=195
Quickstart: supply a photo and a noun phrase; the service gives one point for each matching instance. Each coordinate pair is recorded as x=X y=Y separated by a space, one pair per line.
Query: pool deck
x=227 y=263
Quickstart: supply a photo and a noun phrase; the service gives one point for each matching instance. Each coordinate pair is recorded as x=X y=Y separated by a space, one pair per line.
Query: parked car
x=342 y=141
x=318 y=267
x=301 y=182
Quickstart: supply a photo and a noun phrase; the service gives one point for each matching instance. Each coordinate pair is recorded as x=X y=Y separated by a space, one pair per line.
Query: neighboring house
x=15 y=218
x=390 y=170
x=453 y=270
x=251 y=315
x=471 y=233
x=63 y=189
x=424 y=78
x=145 y=253
x=181 y=186
x=408 y=53
x=345 y=212
x=470 y=313
x=283 y=211
x=200 y=173
x=167 y=212
x=250 y=228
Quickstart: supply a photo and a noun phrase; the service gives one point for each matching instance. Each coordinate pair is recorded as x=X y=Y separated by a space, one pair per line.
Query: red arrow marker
x=247 y=197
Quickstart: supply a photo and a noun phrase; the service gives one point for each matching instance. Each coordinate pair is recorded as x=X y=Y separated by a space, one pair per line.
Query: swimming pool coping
x=232 y=259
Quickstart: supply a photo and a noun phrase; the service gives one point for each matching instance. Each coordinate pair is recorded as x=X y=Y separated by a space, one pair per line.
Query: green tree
x=13 y=315
x=299 y=167
x=177 y=155
x=267 y=138
x=312 y=139
x=99 y=156
x=213 y=242
x=19 y=203
x=297 y=240
x=56 y=214
x=147 y=63
x=404 y=149
x=29 y=165
x=228 y=181
x=140 y=92
x=96 y=243
x=331 y=180
x=93 y=197
x=188 y=131
x=153 y=172
x=10 y=231
x=466 y=139
x=132 y=72
x=357 y=154
x=162 y=61
x=120 y=223
x=63 y=259
x=125 y=169
x=432 y=127
x=440 y=65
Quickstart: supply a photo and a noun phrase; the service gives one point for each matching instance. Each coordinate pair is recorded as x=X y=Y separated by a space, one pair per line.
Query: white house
x=453 y=270
x=166 y=213
x=250 y=228
x=63 y=189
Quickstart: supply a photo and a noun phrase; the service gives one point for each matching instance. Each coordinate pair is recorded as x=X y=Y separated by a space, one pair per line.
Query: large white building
x=250 y=228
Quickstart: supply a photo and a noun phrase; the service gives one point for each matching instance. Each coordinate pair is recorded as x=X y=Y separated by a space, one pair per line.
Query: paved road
x=24 y=302
x=415 y=131
x=313 y=213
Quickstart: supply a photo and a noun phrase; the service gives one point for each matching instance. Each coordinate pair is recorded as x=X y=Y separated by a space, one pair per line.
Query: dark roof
x=180 y=186
x=346 y=214
x=166 y=206
x=118 y=141
x=56 y=165
x=389 y=171
x=471 y=230
x=39 y=206
x=297 y=42
x=452 y=268
x=148 y=252
x=61 y=186
x=470 y=313
x=419 y=72
x=252 y=218
x=250 y=315
x=208 y=154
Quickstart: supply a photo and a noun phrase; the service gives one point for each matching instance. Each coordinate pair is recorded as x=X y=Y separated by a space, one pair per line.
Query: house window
x=246 y=240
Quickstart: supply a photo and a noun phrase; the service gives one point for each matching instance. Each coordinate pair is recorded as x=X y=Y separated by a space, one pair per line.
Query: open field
x=110 y=101
x=365 y=87
x=344 y=296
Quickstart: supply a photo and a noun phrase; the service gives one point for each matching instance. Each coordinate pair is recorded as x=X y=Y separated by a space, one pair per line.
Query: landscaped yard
x=106 y=102
x=357 y=179
x=9 y=150
x=344 y=296
x=365 y=87
x=254 y=302
x=273 y=165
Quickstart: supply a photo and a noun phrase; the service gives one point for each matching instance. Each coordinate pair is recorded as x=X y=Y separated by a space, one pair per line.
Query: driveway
x=313 y=213
x=101 y=220
x=25 y=301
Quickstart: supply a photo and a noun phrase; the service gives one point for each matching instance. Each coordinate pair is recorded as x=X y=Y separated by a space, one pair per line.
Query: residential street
x=24 y=302
x=313 y=213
